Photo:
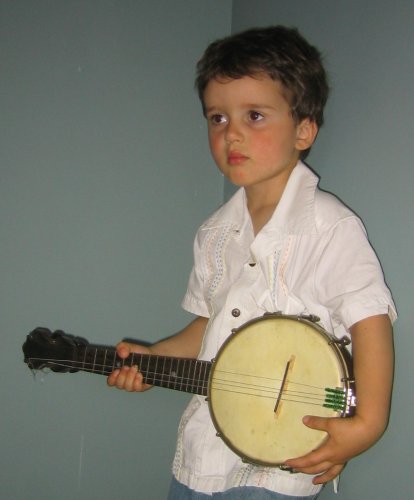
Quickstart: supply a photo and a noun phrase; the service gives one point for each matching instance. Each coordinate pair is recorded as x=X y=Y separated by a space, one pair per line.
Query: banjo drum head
x=266 y=377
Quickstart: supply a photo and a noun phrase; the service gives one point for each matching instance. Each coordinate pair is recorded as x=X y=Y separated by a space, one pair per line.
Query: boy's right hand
x=129 y=378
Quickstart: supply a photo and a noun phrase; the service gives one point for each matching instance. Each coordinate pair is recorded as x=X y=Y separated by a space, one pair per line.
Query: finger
x=123 y=350
x=329 y=474
x=319 y=468
x=111 y=380
x=317 y=423
x=309 y=464
x=311 y=459
x=326 y=470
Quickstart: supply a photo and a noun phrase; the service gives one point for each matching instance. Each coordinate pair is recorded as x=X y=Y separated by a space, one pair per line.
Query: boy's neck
x=261 y=216
x=262 y=202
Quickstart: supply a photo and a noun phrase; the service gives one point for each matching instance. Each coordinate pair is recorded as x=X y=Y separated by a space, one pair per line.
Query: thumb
x=317 y=423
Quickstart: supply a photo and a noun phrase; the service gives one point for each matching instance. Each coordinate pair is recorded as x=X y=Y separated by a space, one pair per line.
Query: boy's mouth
x=236 y=158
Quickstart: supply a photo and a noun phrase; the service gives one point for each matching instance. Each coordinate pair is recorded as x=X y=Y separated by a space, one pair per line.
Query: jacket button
x=235 y=312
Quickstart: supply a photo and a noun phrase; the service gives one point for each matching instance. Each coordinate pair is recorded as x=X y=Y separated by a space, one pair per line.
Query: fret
x=192 y=381
x=114 y=359
x=194 y=376
x=154 y=368
x=205 y=381
x=171 y=372
x=182 y=376
x=206 y=375
x=90 y=357
x=163 y=365
x=149 y=370
x=201 y=378
x=131 y=360
x=92 y=353
x=156 y=365
x=189 y=381
x=84 y=357
x=175 y=363
x=198 y=376
x=103 y=363
x=144 y=368
x=94 y=361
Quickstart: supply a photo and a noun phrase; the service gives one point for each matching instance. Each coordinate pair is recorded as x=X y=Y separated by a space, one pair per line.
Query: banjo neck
x=180 y=374
x=65 y=353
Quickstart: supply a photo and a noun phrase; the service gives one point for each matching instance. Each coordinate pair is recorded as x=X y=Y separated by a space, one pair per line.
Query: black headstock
x=57 y=351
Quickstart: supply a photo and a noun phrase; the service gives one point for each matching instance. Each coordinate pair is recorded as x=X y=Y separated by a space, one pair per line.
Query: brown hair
x=281 y=53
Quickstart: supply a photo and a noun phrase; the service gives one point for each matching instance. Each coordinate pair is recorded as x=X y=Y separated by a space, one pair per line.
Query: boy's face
x=253 y=137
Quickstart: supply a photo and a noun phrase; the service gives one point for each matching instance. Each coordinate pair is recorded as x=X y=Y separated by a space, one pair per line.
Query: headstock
x=57 y=350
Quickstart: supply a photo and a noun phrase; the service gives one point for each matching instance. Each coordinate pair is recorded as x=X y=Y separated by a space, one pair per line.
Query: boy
x=280 y=244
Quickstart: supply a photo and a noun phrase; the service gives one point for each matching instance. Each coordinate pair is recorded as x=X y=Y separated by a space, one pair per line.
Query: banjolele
x=267 y=375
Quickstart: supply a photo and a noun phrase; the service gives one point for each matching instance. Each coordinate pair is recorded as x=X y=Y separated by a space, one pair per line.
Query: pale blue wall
x=104 y=177
x=364 y=154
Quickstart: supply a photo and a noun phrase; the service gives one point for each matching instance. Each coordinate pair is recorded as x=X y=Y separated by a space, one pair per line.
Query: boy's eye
x=216 y=119
x=255 y=116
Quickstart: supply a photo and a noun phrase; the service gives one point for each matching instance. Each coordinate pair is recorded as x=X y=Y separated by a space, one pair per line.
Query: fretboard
x=180 y=374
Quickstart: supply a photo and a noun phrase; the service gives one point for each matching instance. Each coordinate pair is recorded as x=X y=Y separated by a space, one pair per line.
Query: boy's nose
x=233 y=132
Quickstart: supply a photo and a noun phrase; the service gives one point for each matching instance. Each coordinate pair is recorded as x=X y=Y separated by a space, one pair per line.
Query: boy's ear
x=306 y=133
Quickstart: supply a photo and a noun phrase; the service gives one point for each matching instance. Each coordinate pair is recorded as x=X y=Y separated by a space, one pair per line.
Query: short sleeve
x=194 y=301
x=348 y=278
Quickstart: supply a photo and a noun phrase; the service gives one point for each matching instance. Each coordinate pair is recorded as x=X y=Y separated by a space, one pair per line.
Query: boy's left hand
x=347 y=437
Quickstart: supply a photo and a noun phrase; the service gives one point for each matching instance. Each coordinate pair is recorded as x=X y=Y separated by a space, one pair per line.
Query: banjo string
x=226 y=384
